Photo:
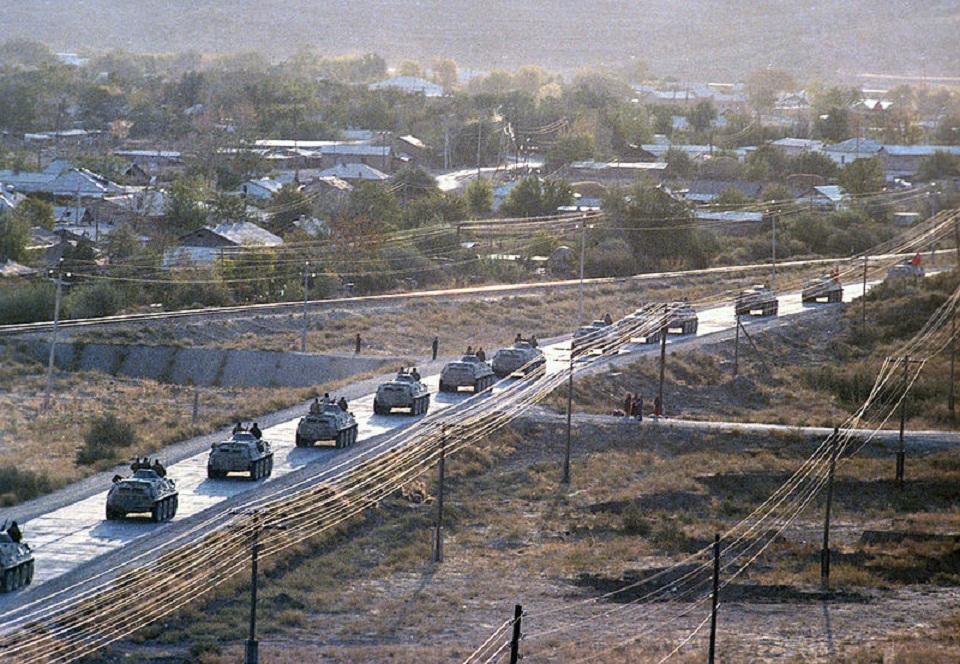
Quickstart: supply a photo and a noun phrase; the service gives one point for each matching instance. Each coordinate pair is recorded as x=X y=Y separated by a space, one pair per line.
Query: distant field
x=696 y=39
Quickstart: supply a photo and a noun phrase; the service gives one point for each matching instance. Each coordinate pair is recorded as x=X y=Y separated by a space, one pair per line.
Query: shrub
x=633 y=521
x=106 y=434
x=26 y=303
x=94 y=301
x=19 y=485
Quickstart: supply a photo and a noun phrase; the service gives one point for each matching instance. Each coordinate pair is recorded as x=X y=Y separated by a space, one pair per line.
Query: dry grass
x=368 y=593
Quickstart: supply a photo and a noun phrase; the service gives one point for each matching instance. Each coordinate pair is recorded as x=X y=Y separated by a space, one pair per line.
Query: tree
x=730 y=198
x=776 y=192
x=288 y=205
x=479 y=195
x=14 y=233
x=411 y=182
x=228 y=209
x=812 y=163
x=122 y=244
x=374 y=202
x=767 y=162
x=35 y=212
x=834 y=125
x=568 y=149
x=679 y=163
x=445 y=73
x=702 y=115
x=183 y=206
x=525 y=199
x=948 y=131
x=556 y=194
x=939 y=165
x=409 y=68
x=764 y=85
x=863 y=176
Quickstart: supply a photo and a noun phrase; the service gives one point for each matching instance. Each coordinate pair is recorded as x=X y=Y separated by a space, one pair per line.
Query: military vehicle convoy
x=826 y=288
x=523 y=357
x=243 y=453
x=144 y=492
x=331 y=423
x=470 y=371
x=16 y=561
x=683 y=318
x=405 y=391
x=759 y=299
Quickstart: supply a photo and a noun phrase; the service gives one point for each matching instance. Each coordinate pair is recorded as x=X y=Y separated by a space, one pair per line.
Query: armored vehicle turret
x=331 y=422
x=522 y=358
x=144 y=492
x=16 y=561
x=823 y=289
x=470 y=371
x=243 y=453
x=404 y=391
x=905 y=270
x=759 y=299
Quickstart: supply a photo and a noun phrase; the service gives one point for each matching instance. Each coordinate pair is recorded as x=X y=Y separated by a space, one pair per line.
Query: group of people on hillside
x=633 y=406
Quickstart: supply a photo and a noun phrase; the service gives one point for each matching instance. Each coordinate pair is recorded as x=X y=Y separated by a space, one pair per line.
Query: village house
x=706 y=191
x=615 y=172
x=354 y=173
x=903 y=161
x=794 y=147
x=209 y=244
x=409 y=85
x=852 y=149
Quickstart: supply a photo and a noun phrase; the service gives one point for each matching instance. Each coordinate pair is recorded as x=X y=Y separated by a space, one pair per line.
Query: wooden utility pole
x=901 y=449
x=53 y=336
x=825 y=551
x=515 y=639
x=583 y=251
x=566 y=454
x=663 y=357
x=438 y=534
x=951 y=401
x=252 y=650
x=773 y=252
x=736 y=348
x=306 y=285
x=863 y=298
x=715 y=600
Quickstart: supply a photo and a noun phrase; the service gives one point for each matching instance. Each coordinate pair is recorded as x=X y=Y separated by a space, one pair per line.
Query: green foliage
x=939 y=165
x=103 y=440
x=730 y=198
x=183 y=205
x=122 y=244
x=225 y=208
x=611 y=257
x=35 y=212
x=94 y=300
x=767 y=162
x=479 y=197
x=533 y=198
x=862 y=176
x=948 y=131
x=14 y=233
x=813 y=163
x=376 y=202
x=568 y=149
x=26 y=303
x=20 y=485
x=702 y=115
x=776 y=192
x=288 y=205
x=764 y=85
x=833 y=125
x=679 y=163
x=412 y=182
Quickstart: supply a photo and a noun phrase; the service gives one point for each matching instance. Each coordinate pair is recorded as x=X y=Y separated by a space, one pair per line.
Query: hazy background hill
x=685 y=38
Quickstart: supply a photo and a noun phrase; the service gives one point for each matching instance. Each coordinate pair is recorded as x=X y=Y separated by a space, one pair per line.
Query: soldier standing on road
x=435 y=346
x=628 y=405
x=356 y=350
x=657 y=407
x=481 y=355
x=638 y=407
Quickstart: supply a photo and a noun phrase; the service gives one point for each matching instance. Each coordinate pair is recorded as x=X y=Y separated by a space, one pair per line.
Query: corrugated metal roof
x=354 y=172
x=245 y=234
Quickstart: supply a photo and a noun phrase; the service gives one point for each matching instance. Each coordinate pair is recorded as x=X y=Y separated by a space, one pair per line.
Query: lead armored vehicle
x=759 y=299
x=470 y=372
x=330 y=423
x=144 y=492
x=16 y=562
x=825 y=289
x=522 y=358
x=404 y=391
x=682 y=318
x=243 y=453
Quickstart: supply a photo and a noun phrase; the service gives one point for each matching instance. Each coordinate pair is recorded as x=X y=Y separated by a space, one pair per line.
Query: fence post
x=825 y=551
x=566 y=456
x=715 y=599
x=438 y=536
x=736 y=348
x=901 y=451
x=515 y=640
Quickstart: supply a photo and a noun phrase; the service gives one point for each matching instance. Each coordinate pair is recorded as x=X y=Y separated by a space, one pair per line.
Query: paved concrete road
x=71 y=536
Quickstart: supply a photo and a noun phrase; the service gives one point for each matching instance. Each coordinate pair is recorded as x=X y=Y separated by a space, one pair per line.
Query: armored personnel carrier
x=16 y=562
x=758 y=299
x=825 y=289
x=331 y=423
x=682 y=318
x=404 y=391
x=143 y=492
x=905 y=270
x=470 y=371
x=521 y=358
x=243 y=453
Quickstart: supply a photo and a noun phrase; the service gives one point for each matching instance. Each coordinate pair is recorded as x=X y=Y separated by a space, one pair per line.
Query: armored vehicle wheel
x=269 y=465
x=112 y=515
x=156 y=512
x=377 y=410
x=299 y=441
x=8 y=581
x=444 y=387
x=216 y=474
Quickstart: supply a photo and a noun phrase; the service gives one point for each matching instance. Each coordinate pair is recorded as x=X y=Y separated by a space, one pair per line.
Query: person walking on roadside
x=628 y=405
x=435 y=346
x=638 y=407
x=358 y=342
x=657 y=407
